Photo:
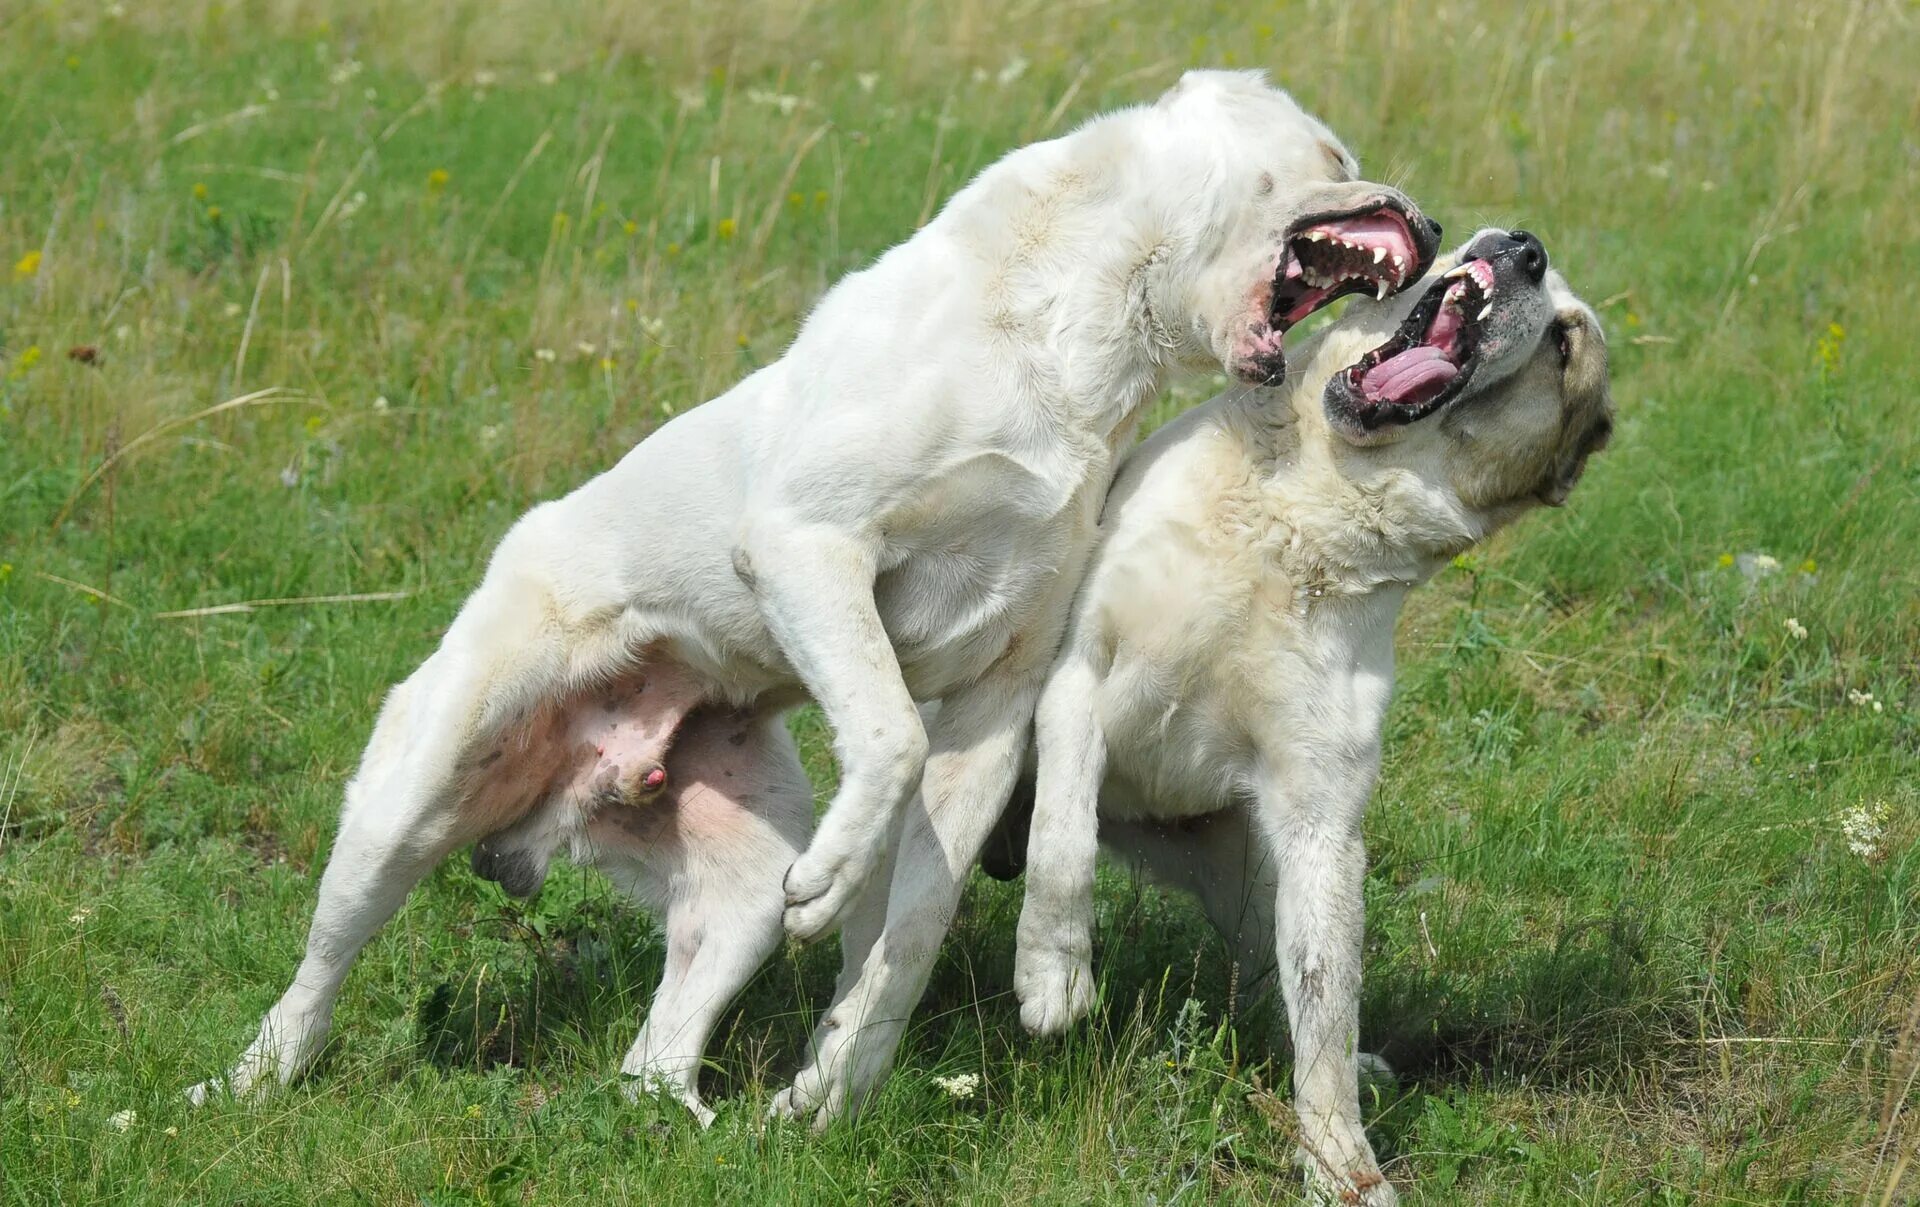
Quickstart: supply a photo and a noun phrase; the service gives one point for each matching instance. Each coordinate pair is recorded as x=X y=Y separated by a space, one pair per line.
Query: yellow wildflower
x=213 y=213
x=199 y=191
x=27 y=265
x=795 y=198
x=819 y=198
x=437 y=180
x=727 y=228
x=673 y=249
x=1725 y=560
x=630 y=227
x=741 y=339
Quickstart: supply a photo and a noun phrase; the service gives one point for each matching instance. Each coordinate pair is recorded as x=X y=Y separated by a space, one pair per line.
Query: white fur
x=1229 y=664
x=893 y=512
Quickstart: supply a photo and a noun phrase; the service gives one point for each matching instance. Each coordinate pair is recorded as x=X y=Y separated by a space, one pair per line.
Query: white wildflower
x=484 y=78
x=868 y=80
x=1795 y=629
x=544 y=355
x=1756 y=565
x=381 y=403
x=786 y=103
x=121 y=1121
x=289 y=477
x=584 y=348
x=960 y=1085
x=116 y=11
x=1864 y=827
x=1858 y=698
x=232 y=310
x=490 y=433
x=342 y=72
x=549 y=77
x=691 y=98
x=80 y=916
x=1015 y=68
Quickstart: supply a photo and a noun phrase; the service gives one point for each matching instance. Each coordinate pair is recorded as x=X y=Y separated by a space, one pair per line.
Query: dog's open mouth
x=1372 y=250
x=1430 y=359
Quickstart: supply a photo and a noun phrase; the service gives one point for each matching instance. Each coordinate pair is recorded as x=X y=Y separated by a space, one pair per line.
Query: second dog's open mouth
x=1431 y=357
x=1330 y=257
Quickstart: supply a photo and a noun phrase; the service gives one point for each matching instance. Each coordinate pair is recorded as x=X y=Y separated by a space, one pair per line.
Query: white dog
x=1218 y=701
x=894 y=512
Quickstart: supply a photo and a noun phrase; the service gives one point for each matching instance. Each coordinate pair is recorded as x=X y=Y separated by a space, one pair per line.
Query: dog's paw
x=640 y=1088
x=1055 y=989
x=1364 y=1188
x=820 y=887
x=807 y=1100
x=1339 y=1165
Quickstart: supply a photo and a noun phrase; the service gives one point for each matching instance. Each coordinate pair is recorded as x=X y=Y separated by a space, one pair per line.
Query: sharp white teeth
x=1399 y=265
x=1461 y=271
x=1316 y=236
x=1379 y=254
x=1380 y=292
x=1484 y=312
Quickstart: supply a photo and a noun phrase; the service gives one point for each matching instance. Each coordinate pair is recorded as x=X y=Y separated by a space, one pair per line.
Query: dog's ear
x=1588 y=403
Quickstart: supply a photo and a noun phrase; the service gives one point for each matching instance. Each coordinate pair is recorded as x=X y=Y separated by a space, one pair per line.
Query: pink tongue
x=1382 y=228
x=1413 y=376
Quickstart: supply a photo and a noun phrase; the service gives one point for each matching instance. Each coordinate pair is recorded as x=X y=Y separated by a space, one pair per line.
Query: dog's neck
x=1346 y=521
x=1086 y=246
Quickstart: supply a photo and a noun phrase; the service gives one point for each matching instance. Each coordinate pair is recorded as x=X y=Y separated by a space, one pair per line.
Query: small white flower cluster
x=960 y=1085
x=343 y=72
x=350 y=207
x=1860 y=699
x=545 y=356
x=1795 y=629
x=1864 y=827
x=785 y=102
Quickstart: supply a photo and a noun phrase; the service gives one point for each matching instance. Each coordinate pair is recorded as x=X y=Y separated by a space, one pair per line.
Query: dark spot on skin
x=1313 y=985
x=515 y=871
x=738 y=739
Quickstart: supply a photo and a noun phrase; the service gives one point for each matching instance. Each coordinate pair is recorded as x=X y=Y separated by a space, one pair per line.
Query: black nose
x=1519 y=247
x=1533 y=256
x=1438 y=233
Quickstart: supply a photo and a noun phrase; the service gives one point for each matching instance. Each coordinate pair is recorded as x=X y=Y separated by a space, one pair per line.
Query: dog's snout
x=1523 y=248
x=1533 y=256
x=1439 y=232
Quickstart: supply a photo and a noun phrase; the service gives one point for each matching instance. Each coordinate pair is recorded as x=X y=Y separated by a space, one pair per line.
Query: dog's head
x=1285 y=224
x=1492 y=373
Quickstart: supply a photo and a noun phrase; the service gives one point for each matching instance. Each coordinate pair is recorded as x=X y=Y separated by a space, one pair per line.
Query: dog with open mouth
x=1215 y=713
x=893 y=513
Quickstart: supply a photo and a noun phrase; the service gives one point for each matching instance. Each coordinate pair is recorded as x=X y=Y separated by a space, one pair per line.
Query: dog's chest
x=975 y=562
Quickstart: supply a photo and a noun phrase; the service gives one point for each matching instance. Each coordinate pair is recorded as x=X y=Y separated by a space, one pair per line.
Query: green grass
x=1619 y=947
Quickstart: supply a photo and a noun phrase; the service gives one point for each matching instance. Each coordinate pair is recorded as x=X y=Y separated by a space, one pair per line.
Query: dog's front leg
x=980 y=736
x=814 y=587
x=1312 y=813
x=1053 y=962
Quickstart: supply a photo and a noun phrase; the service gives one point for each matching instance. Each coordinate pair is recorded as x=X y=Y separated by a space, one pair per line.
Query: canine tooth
x=1399 y=265
x=1380 y=292
x=1484 y=312
x=1458 y=272
x=1380 y=253
x=1316 y=236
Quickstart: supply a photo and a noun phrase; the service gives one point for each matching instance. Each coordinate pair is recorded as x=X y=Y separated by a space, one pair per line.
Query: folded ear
x=1588 y=407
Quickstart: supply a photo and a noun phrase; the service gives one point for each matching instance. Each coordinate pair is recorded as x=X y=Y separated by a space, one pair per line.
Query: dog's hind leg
x=400 y=819
x=713 y=851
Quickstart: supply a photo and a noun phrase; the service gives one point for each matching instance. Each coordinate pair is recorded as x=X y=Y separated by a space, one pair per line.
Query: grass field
x=303 y=302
